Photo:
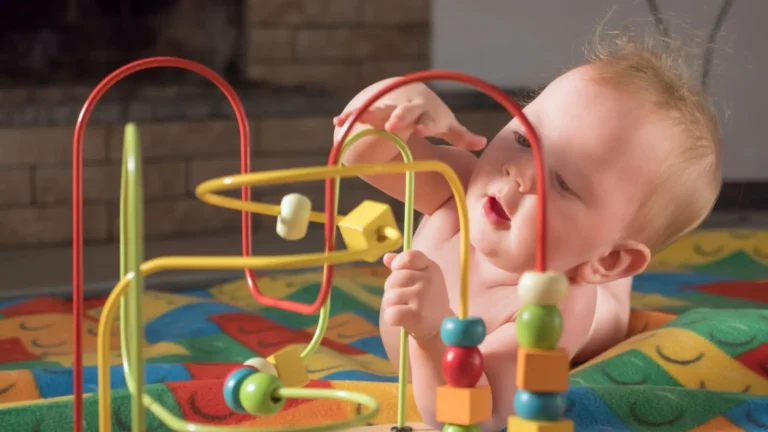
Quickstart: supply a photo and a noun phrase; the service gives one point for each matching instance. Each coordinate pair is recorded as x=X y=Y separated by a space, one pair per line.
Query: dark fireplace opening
x=75 y=42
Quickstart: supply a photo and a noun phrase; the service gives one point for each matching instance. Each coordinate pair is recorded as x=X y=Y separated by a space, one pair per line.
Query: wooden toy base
x=417 y=427
x=517 y=424
x=514 y=424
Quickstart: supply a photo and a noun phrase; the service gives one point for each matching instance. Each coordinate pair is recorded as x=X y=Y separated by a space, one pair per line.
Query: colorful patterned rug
x=704 y=370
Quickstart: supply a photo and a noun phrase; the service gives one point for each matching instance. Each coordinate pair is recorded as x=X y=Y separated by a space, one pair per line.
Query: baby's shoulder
x=443 y=224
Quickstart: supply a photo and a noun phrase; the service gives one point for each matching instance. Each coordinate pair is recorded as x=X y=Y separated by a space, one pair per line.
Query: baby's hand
x=415 y=296
x=414 y=108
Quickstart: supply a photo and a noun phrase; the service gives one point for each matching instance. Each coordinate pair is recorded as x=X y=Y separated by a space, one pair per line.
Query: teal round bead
x=540 y=406
x=258 y=394
x=460 y=428
x=466 y=333
x=539 y=327
x=232 y=385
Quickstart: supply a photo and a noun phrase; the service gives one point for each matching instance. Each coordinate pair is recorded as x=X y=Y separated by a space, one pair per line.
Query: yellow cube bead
x=463 y=406
x=362 y=228
x=290 y=367
x=517 y=424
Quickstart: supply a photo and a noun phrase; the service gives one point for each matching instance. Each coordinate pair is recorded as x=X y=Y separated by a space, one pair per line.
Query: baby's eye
x=561 y=183
x=522 y=140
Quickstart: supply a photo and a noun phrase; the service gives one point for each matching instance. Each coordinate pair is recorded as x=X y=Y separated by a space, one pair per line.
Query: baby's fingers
x=340 y=119
x=404 y=116
x=461 y=137
x=388 y=258
x=401 y=316
x=410 y=260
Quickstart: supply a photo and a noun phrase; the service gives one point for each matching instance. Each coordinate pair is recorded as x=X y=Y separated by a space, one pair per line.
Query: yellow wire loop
x=208 y=192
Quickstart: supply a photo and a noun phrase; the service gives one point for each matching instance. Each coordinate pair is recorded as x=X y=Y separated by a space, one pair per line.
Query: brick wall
x=338 y=45
x=35 y=175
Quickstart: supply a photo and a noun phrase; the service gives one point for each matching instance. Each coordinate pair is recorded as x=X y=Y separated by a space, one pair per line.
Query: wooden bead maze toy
x=260 y=386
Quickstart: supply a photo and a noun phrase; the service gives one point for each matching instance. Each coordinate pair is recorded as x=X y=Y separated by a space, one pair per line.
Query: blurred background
x=294 y=63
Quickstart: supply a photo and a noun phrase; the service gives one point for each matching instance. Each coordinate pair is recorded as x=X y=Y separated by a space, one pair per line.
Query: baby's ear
x=624 y=260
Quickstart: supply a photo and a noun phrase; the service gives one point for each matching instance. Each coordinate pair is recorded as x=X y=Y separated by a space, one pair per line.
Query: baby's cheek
x=484 y=173
x=571 y=239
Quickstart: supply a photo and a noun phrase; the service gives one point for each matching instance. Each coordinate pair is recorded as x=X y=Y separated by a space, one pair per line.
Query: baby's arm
x=412 y=112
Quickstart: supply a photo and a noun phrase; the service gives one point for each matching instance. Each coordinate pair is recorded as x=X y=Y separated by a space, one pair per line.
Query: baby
x=633 y=161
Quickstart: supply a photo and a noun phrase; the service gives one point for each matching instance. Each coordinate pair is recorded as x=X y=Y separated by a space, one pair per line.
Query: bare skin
x=600 y=161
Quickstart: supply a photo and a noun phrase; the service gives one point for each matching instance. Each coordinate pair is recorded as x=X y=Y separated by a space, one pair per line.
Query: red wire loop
x=478 y=84
x=77 y=208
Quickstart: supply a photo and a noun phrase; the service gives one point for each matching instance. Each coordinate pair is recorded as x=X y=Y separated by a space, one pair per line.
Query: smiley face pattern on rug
x=706 y=370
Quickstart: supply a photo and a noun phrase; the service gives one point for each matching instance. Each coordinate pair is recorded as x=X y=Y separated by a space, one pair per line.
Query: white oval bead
x=262 y=365
x=544 y=289
x=293 y=221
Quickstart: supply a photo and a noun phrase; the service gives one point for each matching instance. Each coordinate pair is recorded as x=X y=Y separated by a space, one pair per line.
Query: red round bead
x=462 y=366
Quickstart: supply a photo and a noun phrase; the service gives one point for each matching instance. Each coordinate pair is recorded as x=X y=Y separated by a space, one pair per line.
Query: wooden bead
x=542 y=371
x=464 y=406
x=539 y=327
x=539 y=406
x=258 y=394
x=232 y=384
x=366 y=228
x=542 y=288
x=519 y=424
x=468 y=332
x=461 y=428
x=290 y=366
x=462 y=366
x=262 y=365
x=293 y=220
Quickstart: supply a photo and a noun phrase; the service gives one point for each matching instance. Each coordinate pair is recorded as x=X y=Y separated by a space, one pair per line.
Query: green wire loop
x=131 y=257
x=402 y=385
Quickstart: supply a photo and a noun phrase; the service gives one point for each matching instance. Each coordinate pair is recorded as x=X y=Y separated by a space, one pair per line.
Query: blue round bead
x=467 y=333
x=232 y=386
x=540 y=406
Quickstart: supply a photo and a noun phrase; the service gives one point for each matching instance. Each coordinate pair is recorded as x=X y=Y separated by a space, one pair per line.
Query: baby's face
x=602 y=149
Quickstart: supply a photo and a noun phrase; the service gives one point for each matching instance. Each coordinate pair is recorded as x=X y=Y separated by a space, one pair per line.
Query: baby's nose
x=523 y=176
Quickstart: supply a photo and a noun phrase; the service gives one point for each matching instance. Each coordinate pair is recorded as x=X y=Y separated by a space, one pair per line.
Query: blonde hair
x=656 y=69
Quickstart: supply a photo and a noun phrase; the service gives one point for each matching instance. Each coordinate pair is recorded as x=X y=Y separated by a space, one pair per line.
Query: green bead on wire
x=461 y=428
x=259 y=394
x=539 y=327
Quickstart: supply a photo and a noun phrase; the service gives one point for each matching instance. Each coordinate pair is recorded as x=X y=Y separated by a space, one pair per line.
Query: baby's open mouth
x=495 y=213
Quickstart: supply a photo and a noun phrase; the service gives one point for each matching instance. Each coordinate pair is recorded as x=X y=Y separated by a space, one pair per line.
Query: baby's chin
x=502 y=255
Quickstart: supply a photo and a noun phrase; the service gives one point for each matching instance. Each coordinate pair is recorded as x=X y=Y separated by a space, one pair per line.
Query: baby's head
x=633 y=154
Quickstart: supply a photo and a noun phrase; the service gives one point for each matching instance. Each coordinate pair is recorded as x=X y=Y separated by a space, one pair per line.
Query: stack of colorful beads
x=462 y=406
x=542 y=368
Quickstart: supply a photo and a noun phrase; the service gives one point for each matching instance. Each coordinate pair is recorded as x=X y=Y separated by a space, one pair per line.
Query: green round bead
x=258 y=394
x=459 y=428
x=539 y=327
